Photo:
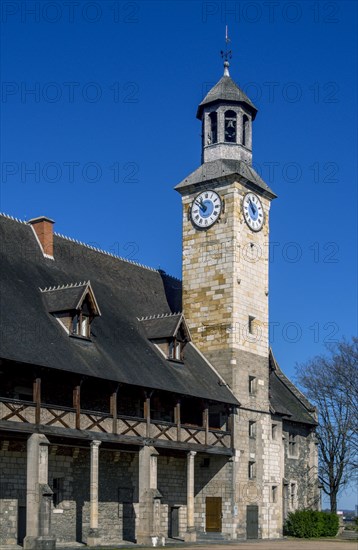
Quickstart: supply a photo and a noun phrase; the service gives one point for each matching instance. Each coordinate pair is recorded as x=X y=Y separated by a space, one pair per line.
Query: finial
x=227 y=54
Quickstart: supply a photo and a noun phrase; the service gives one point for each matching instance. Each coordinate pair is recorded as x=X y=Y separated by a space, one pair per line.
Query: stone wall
x=301 y=470
x=12 y=490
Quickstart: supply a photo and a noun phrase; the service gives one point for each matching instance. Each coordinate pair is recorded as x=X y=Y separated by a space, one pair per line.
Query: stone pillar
x=148 y=526
x=234 y=463
x=93 y=538
x=190 y=534
x=38 y=496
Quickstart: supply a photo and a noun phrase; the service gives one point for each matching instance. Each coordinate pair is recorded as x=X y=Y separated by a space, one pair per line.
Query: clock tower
x=226 y=209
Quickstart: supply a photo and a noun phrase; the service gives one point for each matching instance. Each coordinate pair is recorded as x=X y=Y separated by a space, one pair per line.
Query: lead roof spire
x=227 y=54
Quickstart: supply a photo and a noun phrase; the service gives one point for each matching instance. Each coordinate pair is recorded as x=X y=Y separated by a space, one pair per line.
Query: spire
x=227 y=54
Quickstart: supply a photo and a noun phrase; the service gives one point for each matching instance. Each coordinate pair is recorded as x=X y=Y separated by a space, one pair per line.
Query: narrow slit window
x=274 y=493
x=274 y=431
x=252 y=384
x=252 y=429
x=252 y=470
x=251 y=324
x=292 y=445
x=293 y=494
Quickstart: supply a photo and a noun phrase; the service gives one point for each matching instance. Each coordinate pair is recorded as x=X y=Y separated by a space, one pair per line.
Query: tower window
x=230 y=127
x=252 y=385
x=251 y=324
x=245 y=130
x=213 y=131
x=252 y=470
x=274 y=493
x=252 y=429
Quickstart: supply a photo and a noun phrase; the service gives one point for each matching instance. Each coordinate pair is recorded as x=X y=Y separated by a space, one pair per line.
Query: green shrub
x=311 y=524
x=331 y=524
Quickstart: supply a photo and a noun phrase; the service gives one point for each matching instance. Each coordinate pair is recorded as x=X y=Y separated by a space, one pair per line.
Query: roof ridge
x=162 y=272
x=12 y=218
x=96 y=249
x=63 y=287
x=158 y=316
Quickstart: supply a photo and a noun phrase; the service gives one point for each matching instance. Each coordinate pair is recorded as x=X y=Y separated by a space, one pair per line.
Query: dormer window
x=169 y=333
x=81 y=325
x=175 y=350
x=230 y=126
x=74 y=306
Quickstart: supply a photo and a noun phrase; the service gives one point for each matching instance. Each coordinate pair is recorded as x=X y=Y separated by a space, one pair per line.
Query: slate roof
x=223 y=168
x=163 y=326
x=66 y=297
x=286 y=400
x=226 y=90
x=125 y=291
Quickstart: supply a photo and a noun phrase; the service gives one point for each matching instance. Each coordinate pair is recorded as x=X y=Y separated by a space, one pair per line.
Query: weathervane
x=227 y=54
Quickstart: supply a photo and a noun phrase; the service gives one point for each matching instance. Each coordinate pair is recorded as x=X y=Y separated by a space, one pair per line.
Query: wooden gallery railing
x=76 y=418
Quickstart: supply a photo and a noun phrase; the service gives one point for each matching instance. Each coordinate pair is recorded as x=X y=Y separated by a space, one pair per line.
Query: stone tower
x=225 y=279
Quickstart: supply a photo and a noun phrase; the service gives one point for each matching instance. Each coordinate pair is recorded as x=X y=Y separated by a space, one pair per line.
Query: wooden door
x=252 y=522
x=174 y=522
x=213 y=514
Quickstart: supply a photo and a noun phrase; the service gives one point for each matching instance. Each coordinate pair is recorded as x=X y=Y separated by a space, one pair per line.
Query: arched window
x=213 y=131
x=245 y=130
x=230 y=126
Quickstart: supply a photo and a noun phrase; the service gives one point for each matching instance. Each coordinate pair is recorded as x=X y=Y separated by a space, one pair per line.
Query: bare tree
x=331 y=384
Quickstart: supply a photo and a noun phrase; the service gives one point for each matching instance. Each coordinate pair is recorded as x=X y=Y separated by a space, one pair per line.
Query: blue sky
x=109 y=129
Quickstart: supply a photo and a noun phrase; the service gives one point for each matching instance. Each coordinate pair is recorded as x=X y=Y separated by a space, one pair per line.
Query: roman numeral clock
x=205 y=209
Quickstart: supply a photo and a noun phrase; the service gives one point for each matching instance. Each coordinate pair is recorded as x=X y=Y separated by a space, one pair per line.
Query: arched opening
x=213 y=131
x=245 y=130
x=230 y=126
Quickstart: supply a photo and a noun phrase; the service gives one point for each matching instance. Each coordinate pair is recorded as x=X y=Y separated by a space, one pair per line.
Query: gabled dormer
x=74 y=306
x=169 y=333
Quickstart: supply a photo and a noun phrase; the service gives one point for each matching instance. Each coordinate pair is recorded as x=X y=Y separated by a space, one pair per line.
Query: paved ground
x=287 y=544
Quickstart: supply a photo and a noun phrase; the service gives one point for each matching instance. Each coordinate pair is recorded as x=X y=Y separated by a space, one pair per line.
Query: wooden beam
x=113 y=407
x=132 y=443
x=77 y=405
x=177 y=420
x=37 y=399
x=206 y=424
x=147 y=415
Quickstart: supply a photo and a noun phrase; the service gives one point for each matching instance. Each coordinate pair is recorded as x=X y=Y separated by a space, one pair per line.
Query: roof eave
x=251 y=108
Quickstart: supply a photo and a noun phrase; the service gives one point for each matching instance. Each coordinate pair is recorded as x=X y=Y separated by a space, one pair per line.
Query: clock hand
x=202 y=205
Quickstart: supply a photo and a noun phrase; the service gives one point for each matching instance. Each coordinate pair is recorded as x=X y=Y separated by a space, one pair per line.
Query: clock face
x=205 y=209
x=253 y=211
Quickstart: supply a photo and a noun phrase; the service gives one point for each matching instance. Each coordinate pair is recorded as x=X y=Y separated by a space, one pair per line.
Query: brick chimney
x=43 y=228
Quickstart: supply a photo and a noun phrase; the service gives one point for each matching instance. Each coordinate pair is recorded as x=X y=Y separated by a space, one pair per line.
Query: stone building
x=134 y=406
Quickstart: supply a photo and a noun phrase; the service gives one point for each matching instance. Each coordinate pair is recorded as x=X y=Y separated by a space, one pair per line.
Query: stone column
x=38 y=496
x=93 y=538
x=190 y=534
x=148 y=526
